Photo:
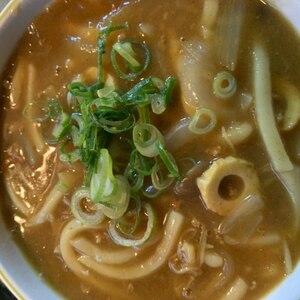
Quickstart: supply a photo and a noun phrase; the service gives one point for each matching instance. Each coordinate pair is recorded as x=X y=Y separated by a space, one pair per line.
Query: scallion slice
x=224 y=85
x=158 y=103
x=168 y=159
x=203 y=121
x=129 y=223
x=61 y=127
x=79 y=89
x=121 y=240
x=145 y=137
x=116 y=204
x=71 y=156
x=84 y=216
x=102 y=40
x=36 y=112
x=124 y=49
x=103 y=182
x=168 y=89
x=160 y=180
x=135 y=179
x=113 y=120
x=140 y=163
x=150 y=192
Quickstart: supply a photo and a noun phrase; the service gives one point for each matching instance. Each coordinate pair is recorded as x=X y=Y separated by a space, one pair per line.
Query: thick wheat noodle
x=33 y=130
x=17 y=84
x=280 y=160
x=21 y=205
x=86 y=247
x=52 y=200
x=70 y=257
x=148 y=266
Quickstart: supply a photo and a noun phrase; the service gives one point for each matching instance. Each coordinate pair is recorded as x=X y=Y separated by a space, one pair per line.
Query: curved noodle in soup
x=150 y=148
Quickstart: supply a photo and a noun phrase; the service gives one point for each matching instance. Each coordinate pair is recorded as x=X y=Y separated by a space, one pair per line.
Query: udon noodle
x=151 y=148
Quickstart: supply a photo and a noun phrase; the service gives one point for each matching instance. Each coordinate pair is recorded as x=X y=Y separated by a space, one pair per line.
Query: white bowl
x=15 y=271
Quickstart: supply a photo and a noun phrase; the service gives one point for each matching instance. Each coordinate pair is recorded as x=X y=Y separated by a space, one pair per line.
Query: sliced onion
x=242 y=222
x=228 y=32
x=237 y=290
x=227 y=272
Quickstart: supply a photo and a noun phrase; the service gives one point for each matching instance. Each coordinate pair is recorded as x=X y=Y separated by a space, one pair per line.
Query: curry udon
x=151 y=148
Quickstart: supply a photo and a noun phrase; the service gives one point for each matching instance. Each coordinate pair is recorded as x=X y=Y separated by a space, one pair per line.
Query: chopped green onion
x=151 y=223
x=107 y=102
x=84 y=216
x=79 y=89
x=140 y=88
x=125 y=50
x=144 y=114
x=77 y=133
x=107 y=92
x=158 y=103
x=135 y=178
x=140 y=163
x=70 y=157
x=133 y=63
x=55 y=109
x=159 y=180
x=125 y=224
x=103 y=182
x=56 y=129
x=168 y=159
x=168 y=89
x=60 y=128
x=36 y=112
x=113 y=120
x=150 y=192
x=97 y=113
x=203 y=121
x=224 y=85
x=147 y=146
x=116 y=204
x=157 y=82
x=102 y=40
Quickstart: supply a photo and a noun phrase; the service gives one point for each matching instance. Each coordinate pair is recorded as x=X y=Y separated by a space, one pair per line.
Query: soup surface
x=216 y=213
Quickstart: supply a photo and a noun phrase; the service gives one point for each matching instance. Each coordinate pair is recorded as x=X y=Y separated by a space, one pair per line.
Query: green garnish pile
x=100 y=113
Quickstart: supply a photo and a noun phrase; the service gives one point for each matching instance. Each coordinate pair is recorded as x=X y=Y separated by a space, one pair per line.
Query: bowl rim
x=6 y=276
x=8 y=282
x=8 y=9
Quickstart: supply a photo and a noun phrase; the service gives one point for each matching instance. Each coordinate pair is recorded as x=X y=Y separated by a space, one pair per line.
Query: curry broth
x=54 y=46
